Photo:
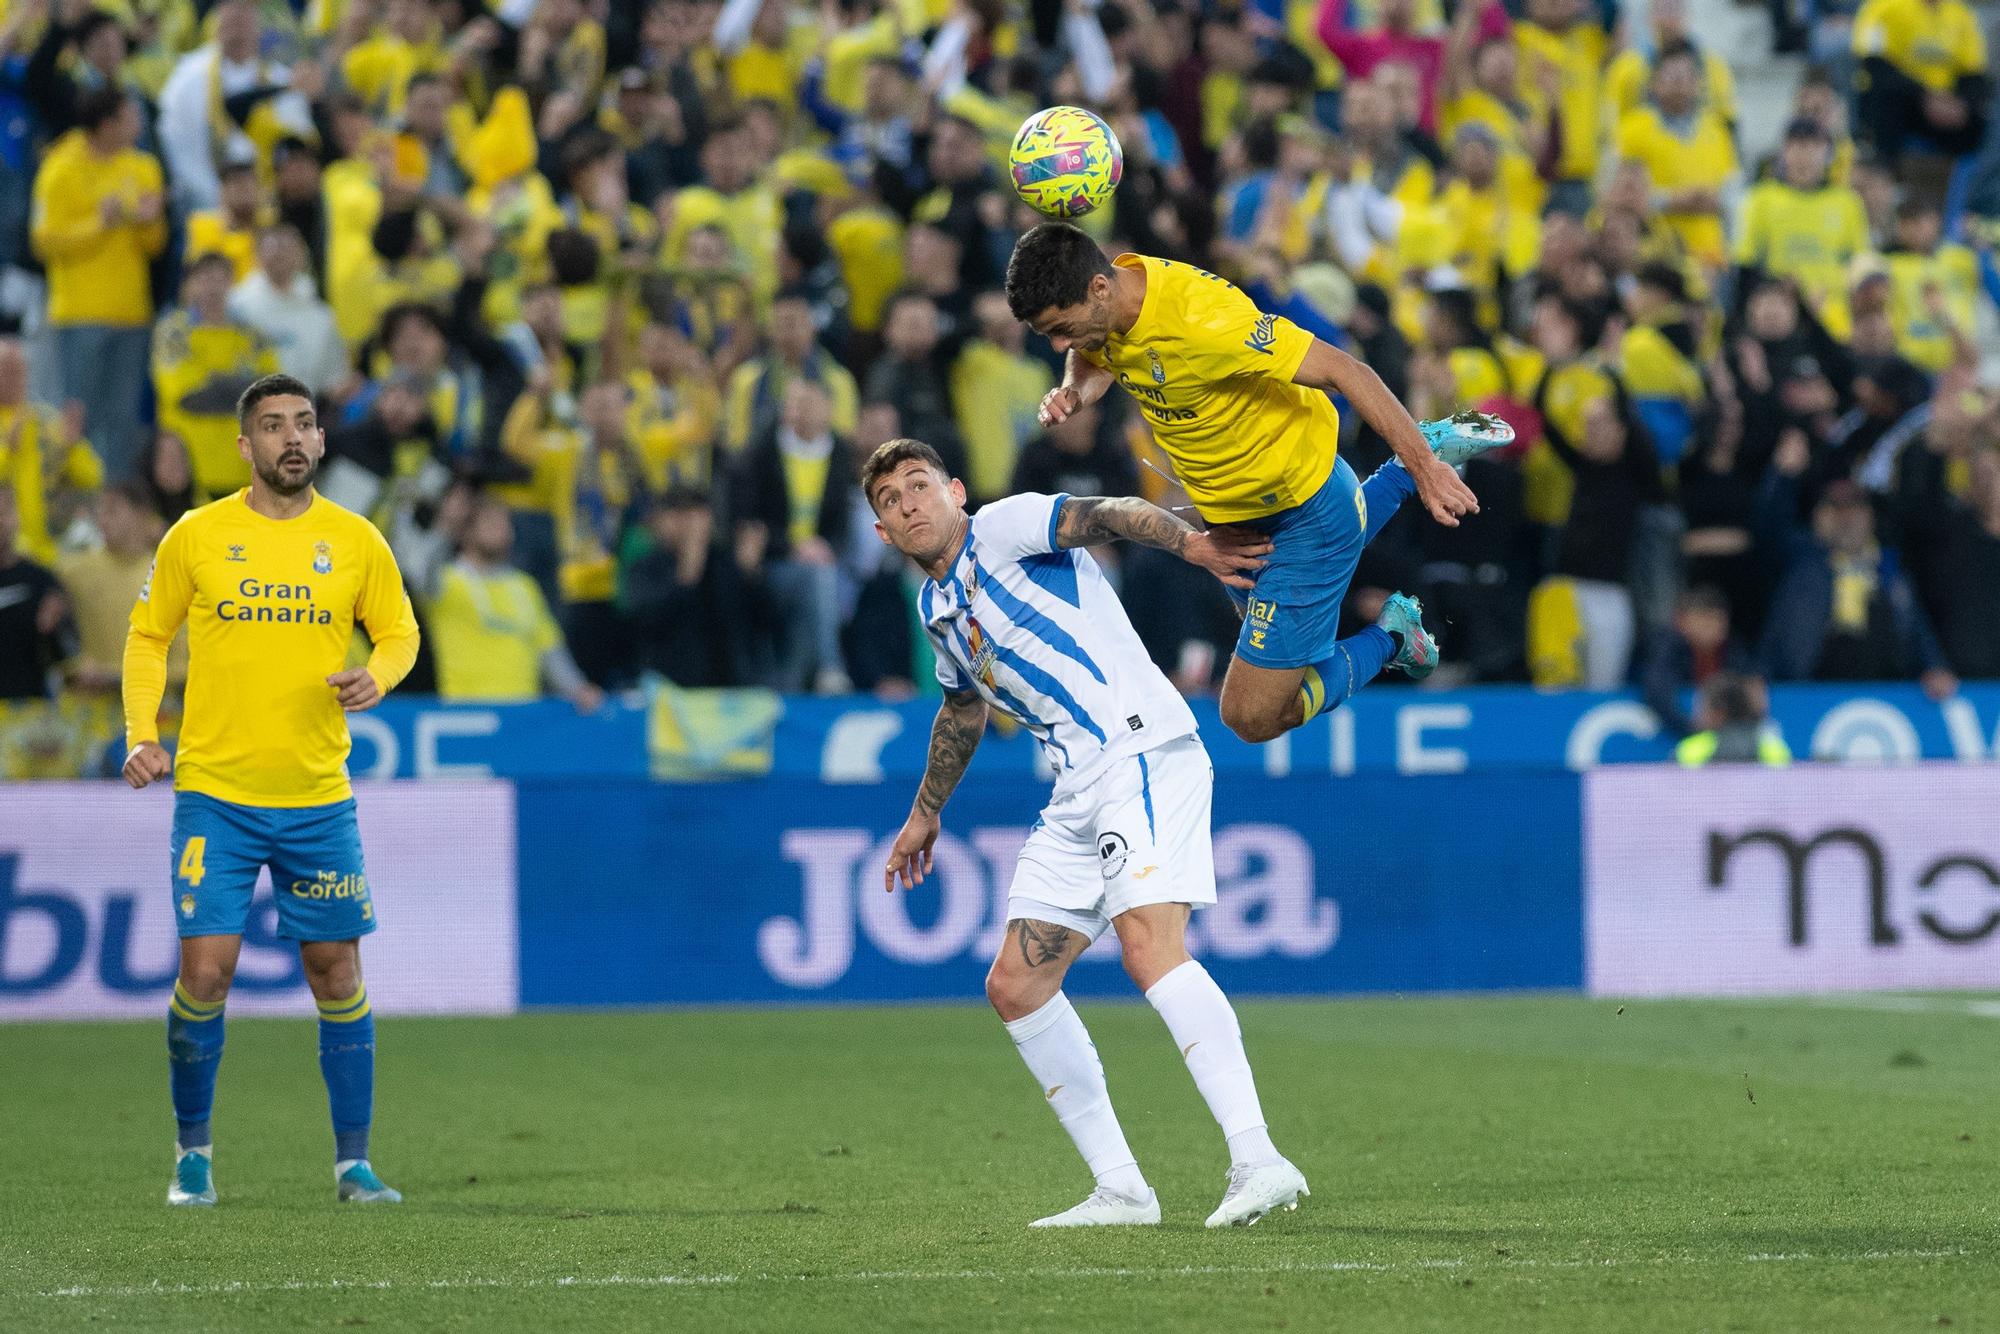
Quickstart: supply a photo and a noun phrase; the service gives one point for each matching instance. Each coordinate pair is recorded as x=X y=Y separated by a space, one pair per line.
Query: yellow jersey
x=1920 y=338
x=1213 y=377
x=1703 y=159
x=270 y=607
x=1578 y=52
x=1810 y=235
x=1935 y=42
x=490 y=633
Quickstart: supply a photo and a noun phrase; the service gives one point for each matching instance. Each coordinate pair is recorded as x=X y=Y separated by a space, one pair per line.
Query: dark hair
x=1916 y=205
x=1703 y=597
x=422 y=79
x=1051 y=268
x=271 y=386
x=394 y=318
x=93 y=23
x=1733 y=697
x=893 y=454
x=209 y=259
x=585 y=148
x=99 y=105
x=134 y=493
x=236 y=167
x=1663 y=277
x=1680 y=49
x=1458 y=305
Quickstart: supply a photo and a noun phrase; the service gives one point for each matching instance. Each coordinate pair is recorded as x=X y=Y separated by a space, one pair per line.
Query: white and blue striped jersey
x=1037 y=631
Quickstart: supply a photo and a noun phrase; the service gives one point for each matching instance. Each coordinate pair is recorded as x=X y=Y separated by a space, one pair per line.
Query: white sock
x=1204 y=1028
x=1063 y=1060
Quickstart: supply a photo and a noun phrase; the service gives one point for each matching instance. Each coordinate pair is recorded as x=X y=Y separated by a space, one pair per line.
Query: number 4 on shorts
x=191 y=868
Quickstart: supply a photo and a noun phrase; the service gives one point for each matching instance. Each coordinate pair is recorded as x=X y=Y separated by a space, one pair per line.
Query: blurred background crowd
x=605 y=300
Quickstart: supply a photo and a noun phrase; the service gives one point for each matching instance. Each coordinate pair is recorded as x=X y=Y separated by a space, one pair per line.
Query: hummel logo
x=1141 y=875
x=235 y=553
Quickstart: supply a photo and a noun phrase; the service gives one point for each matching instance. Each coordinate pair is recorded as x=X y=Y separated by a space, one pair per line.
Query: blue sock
x=347 y=1062
x=1355 y=662
x=1385 y=491
x=194 y=1057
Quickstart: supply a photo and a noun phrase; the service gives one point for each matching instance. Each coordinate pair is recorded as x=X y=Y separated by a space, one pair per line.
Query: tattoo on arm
x=954 y=736
x=1088 y=521
x=1041 y=942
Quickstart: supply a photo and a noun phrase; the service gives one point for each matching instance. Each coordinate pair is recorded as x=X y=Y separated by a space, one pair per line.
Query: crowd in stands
x=604 y=302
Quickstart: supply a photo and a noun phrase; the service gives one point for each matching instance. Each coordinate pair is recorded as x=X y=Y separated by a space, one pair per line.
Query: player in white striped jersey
x=1023 y=621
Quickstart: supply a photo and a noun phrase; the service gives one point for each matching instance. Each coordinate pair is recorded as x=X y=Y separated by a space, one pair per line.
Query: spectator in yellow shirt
x=41 y=457
x=408 y=43
x=104 y=583
x=492 y=632
x=1688 y=152
x=230 y=231
x=1923 y=75
x=1799 y=225
x=1933 y=289
x=1625 y=83
x=676 y=413
x=202 y=360
x=1556 y=33
x=99 y=219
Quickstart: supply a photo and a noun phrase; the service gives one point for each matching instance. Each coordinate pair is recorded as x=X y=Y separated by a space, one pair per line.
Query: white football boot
x=1256 y=1190
x=1107 y=1208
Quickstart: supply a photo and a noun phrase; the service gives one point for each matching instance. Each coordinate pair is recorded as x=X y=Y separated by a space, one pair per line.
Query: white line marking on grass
x=242 y=1286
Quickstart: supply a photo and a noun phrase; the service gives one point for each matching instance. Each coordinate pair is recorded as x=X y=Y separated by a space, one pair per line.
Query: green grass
x=1484 y=1165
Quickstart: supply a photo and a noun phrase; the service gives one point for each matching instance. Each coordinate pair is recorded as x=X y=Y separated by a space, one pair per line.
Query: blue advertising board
x=772 y=891
x=1382 y=731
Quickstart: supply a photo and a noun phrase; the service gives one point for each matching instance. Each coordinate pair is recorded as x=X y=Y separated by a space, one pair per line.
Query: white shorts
x=1137 y=834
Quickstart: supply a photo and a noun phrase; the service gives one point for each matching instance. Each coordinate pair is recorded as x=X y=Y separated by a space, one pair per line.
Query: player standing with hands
x=270 y=582
x=1024 y=622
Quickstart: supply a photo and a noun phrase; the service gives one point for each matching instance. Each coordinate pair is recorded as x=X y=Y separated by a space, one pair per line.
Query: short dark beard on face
x=274 y=478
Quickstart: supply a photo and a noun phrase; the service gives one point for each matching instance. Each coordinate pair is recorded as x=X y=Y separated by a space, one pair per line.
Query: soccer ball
x=1065 y=161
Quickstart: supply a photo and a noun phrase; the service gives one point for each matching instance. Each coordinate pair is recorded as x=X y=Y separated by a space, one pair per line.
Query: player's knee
x=1015 y=995
x=1252 y=721
x=333 y=976
x=207 y=980
x=1152 y=961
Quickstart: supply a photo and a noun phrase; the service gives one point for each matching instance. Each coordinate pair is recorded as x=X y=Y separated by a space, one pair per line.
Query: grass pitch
x=1477 y=1164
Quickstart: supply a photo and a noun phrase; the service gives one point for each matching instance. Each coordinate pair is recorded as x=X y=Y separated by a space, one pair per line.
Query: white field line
x=949 y=1275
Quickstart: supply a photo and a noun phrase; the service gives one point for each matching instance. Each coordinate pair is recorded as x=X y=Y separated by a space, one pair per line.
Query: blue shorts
x=314 y=853
x=1292 y=617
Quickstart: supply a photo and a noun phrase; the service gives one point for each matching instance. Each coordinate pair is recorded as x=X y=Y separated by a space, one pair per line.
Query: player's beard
x=275 y=478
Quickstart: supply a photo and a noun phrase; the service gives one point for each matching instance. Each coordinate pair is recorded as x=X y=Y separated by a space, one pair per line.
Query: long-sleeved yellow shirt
x=270 y=606
x=97 y=273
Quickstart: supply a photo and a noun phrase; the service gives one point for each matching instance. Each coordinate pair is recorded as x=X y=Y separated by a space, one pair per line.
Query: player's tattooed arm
x=1232 y=555
x=961 y=722
x=1089 y=521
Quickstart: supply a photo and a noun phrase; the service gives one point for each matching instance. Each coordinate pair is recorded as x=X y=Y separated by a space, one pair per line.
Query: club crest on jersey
x=235 y=553
x=983 y=651
x=187 y=905
x=1159 y=371
x=322 y=558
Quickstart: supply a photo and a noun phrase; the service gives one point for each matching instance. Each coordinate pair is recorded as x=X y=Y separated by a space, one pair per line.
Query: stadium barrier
x=1625 y=881
x=718 y=734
